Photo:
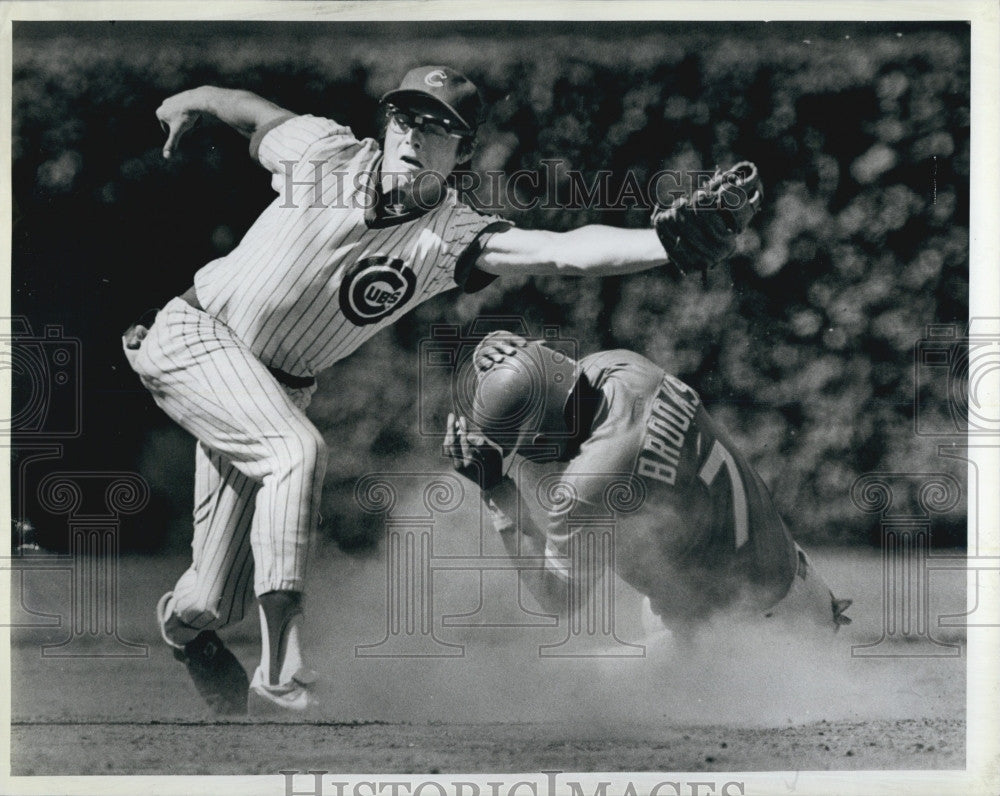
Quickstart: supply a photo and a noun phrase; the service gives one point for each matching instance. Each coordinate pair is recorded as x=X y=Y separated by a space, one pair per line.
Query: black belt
x=294 y=382
x=290 y=381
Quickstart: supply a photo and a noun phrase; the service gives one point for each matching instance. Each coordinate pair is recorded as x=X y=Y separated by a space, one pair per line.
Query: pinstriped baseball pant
x=259 y=463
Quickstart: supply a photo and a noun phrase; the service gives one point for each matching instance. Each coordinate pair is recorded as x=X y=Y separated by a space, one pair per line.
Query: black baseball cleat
x=218 y=675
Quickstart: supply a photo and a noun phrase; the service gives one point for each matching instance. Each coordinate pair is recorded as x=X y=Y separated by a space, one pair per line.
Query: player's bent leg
x=214 y=387
x=217 y=674
x=287 y=509
x=216 y=589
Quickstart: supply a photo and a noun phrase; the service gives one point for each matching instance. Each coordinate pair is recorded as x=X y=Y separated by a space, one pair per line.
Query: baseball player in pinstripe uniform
x=698 y=533
x=359 y=233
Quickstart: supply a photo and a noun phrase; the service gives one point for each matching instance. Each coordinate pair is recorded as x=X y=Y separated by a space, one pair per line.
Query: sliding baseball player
x=698 y=533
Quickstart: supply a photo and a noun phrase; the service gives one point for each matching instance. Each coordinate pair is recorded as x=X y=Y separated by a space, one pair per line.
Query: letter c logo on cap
x=435 y=78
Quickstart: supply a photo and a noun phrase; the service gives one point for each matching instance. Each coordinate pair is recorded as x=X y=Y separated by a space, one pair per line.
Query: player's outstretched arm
x=592 y=250
x=242 y=110
x=693 y=234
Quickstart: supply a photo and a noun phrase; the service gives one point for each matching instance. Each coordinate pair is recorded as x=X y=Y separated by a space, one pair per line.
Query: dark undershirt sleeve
x=260 y=132
x=467 y=276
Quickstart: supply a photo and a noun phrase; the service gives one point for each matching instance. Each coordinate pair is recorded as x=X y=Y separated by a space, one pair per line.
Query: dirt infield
x=745 y=702
x=267 y=748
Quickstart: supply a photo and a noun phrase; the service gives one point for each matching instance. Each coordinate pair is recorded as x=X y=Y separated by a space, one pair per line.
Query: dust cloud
x=732 y=672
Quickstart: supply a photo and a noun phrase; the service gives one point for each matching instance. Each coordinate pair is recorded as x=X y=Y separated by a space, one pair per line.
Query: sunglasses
x=404 y=121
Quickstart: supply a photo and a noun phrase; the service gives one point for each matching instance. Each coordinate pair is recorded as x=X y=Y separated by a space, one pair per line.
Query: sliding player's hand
x=473 y=455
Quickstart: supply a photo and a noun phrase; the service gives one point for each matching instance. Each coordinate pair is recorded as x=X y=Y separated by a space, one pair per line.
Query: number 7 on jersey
x=719 y=457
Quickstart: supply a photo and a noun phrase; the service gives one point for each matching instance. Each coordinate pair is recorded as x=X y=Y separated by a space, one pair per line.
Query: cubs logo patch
x=374 y=288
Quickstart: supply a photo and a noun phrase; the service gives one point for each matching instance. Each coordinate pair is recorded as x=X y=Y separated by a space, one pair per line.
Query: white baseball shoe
x=293 y=695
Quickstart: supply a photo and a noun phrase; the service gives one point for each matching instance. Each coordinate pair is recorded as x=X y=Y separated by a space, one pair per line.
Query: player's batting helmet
x=522 y=389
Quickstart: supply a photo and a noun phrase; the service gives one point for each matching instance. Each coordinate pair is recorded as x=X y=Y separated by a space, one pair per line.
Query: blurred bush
x=803 y=344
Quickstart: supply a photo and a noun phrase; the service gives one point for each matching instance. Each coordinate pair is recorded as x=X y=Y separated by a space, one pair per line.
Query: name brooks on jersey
x=670 y=419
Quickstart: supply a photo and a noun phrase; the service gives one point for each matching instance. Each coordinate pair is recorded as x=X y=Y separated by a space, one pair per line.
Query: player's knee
x=317 y=450
x=308 y=450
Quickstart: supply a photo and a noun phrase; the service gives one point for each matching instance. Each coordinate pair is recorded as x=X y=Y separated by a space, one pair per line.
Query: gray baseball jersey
x=703 y=531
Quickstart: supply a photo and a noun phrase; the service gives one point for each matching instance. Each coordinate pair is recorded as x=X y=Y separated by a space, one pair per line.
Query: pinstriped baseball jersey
x=324 y=268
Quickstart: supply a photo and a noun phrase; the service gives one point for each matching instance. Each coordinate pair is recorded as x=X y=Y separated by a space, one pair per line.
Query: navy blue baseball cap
x=442 y=92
